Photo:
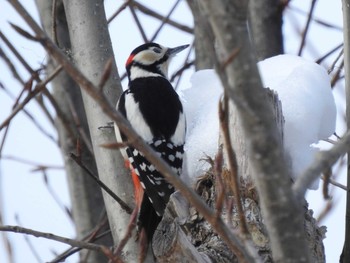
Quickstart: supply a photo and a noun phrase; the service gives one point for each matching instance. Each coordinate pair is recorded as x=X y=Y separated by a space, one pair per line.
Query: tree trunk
x=85 y=194
x=239 y=74
x=203 y=36
x=91 y=49
x=345 y=256
x=265 y=24
x=249 y=195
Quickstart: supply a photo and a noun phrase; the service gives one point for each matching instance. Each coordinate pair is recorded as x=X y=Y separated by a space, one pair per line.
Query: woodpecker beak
x=173 y=51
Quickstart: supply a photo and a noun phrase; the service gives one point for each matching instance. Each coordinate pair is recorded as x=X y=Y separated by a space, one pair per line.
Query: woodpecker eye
x=157 y=50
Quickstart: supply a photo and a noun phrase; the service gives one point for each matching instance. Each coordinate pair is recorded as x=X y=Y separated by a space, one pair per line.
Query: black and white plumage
x=154 y=110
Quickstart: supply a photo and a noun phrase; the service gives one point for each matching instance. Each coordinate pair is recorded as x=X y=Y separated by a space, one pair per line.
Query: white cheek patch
x=164 y=68
x=136 y=119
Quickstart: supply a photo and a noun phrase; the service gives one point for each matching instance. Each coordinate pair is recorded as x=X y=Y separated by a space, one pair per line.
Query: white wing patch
x=136 y=119
x=179 y=136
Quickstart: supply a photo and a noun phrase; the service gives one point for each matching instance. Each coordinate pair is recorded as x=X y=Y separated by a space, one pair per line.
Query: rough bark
x=265 y=24
x=85 y=194
x=203 y=36
x=240 y=77
x=250 y=198
x=91 y=49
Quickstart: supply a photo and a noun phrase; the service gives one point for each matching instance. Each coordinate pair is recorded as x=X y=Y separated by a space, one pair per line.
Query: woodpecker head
x=150 y=60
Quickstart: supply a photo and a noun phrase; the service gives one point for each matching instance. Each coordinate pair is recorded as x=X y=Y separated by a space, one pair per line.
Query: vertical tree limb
x=85 y=195
x=345 y=257
x=265 y=24
x=282 y=213
x=91 y=49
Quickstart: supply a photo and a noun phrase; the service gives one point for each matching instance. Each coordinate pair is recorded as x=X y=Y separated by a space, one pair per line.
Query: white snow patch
x=307 y=102
x=200 y=103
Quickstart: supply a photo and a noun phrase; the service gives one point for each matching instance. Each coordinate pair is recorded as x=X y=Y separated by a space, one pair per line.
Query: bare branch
x=240 y=80
x=23 y=32
x=164 y=21
x=34 y=121
x=232 y=160
x=132 y=224
x=54 y=23
x=331 y=181
x=150 y=12
x=138 y=23
x=30 y=243
x=71 y=242
x=39 y=166
x=306 y=29
x=101 y=184
x=323 y=161
x=120 y=9
x=15 y=52
x=11 y=66
x=39 y=88
x=56 y=197
x=319 y=61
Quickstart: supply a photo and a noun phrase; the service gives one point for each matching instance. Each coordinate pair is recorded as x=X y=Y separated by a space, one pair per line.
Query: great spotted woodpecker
x=154 y=110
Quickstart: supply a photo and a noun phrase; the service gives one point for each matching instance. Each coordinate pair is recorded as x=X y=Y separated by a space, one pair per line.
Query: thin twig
x=77 y=122
x=39 y=88
x=324 y=160
x=326 y=177
x=131 y=226
x=34 y=121
x=147 y=11
x=38 y=166
x=303 y=39
x=221 y=190
x=89 y=237
x=2 y=144
x=54 y=22
x=331 y=68
x=164 y=21
x=232 y=161
x=55 y=196
x=336 y=76
x=335 y=183
x=29 y=243
x=120 y=9
x=138 y=23
x=23 y=32
x=68 y=241
x=11 y=67
x=316 y=20
x=319 y=61
x=101 y=184
x=16 y=53
x=325 y=211
x=6 y=241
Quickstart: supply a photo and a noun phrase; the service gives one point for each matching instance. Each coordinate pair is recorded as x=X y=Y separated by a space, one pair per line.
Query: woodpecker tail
x=148 y=218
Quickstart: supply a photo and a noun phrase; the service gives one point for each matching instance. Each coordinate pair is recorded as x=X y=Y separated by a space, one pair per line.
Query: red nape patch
x=130 y=59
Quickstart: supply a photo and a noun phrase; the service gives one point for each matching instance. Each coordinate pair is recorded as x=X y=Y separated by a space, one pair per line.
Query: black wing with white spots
x=158 y=190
